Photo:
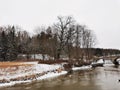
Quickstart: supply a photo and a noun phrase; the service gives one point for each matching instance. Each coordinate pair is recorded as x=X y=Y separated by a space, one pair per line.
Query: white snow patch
x=82 y=68
x=51 y=75
x=44 y=77
x=39 y=68
x=108 y=63
x=100 y=61
x=40 y=56
x=26 y=71
x=10 y=73
x=14 y=83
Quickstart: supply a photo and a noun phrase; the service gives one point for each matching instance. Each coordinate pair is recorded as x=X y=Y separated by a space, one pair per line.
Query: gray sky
x=102 y=16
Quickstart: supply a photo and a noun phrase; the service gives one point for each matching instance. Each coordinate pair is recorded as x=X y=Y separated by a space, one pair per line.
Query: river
x=100 y=78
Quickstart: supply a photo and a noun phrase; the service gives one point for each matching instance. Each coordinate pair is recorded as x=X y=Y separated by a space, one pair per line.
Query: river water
x=100 y=78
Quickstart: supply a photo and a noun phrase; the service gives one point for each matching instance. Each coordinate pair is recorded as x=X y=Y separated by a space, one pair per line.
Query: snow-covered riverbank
x=28 y=72
x=82 y=68
x=44 y=77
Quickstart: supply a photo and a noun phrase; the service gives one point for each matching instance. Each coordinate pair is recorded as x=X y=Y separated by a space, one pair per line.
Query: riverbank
x=12 y=73
x=89 y=67
x=44 y=77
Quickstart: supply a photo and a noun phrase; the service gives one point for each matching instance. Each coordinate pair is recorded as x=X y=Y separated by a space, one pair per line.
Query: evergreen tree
x=12 y=51
x=3 y=46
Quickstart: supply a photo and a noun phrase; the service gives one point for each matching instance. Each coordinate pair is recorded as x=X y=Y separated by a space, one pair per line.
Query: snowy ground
x=100 y=61
x=14 y=72
x=10 y=76
x=108 y=63
x=82 y=68
x=31 y=71
x=46 y=76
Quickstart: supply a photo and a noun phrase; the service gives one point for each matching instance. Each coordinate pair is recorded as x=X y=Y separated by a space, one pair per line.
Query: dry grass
x=13 y=64
x=8 y=69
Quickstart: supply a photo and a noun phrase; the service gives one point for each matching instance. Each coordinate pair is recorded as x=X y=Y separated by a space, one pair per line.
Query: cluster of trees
x=65 y=38
x=7 y=43
x=105 y=52
x=12 y=42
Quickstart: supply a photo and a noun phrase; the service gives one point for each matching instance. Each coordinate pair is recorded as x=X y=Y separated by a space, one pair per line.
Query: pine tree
x=12 y=51
x=3 y=47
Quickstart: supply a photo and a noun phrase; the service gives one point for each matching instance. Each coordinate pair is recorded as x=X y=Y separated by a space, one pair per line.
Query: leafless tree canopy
x=64 y=39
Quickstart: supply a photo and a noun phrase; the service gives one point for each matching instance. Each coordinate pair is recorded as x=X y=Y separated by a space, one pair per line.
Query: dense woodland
x=65 y=38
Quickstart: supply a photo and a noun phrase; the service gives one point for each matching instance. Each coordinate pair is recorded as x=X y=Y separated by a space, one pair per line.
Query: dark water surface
x=101 y=78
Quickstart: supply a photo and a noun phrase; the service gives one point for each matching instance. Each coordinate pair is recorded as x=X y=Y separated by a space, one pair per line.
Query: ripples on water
x=101 y=78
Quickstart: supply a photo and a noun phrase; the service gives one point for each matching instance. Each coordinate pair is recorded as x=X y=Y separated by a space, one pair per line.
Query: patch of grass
x=13 y=64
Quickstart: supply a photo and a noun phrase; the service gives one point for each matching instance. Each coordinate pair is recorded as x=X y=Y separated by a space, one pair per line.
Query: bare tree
x=83 y=42
x=70 y=40
x=61 y=28
x=78 y=40
x=88 y=41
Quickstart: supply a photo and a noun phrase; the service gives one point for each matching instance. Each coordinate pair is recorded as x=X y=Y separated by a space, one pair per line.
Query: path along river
x=100 y=78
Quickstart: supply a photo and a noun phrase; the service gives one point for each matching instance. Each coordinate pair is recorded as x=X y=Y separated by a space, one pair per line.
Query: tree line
x=65 y=38
x=105 y=52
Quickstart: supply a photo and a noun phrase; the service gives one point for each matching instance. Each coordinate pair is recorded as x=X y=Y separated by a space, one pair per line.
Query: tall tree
x=12 y=51
x=61 y=28
x=77 y=41
x=3 y=46
x=70 y=40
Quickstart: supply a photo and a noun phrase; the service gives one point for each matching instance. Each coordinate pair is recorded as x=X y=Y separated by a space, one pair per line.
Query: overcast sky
x=102 y=16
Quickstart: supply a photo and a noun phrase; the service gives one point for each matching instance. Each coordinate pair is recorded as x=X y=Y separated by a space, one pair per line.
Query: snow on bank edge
x=44 y=77
x=82 y=68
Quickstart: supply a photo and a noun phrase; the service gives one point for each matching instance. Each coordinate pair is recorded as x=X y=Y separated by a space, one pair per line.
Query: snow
x=49 y=71
x=40 y=56
x=52 y=75
x=100 y=61
x=14 y=72
x=118 y=60
x=44 y=67
x=24 y=71
x=37 y=56
x=44 y=77
x=14 y=83
x=82 y=68
x=108 y=63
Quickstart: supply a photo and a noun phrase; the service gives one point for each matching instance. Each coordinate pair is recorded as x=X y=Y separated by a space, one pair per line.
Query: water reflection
x=102 y=78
